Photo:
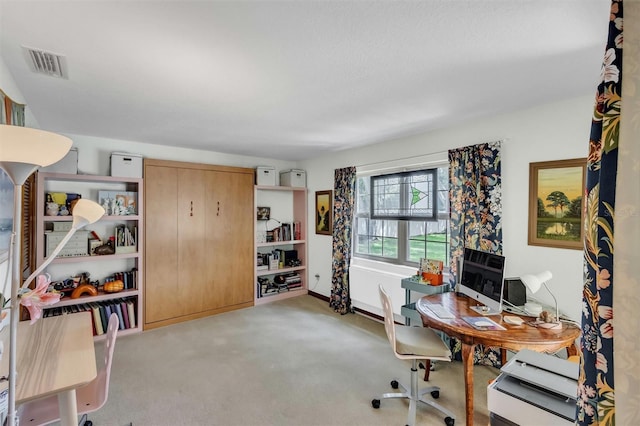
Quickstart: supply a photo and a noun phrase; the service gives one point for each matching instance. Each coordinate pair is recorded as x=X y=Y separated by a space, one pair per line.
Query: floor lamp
x=22 y=151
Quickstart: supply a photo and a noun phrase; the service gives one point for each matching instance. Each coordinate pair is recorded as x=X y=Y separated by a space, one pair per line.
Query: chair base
x=414 y=395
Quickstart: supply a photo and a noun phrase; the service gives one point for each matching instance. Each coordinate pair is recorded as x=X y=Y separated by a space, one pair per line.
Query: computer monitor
x=482 y=280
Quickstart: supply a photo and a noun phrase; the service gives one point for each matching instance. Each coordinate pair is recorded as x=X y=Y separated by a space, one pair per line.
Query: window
x=402 y=217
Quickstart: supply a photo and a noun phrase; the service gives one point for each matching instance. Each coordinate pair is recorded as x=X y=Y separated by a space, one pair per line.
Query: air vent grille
x=47 y=63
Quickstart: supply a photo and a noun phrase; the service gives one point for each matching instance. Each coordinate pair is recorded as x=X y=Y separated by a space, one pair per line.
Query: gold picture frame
x=556 y=203
x=324 y=212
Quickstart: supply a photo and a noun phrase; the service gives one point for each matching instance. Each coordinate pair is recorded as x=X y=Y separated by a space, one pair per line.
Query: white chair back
x=389 y=323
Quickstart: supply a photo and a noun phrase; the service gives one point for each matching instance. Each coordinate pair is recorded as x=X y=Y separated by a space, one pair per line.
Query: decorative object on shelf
x=106 y=248
x=22 y=151
x=263 y=213
x=556 y=203
x=534 y=283
x=113 y=286
x=324 y=212
x=83 y=289
x=118 y=203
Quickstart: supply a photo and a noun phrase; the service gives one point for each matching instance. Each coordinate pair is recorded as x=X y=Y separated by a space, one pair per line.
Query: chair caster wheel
x=449 y=421
x=436 y=395
x=88 y=423
x=421 y=366
x=394 y=384
x=375 y=403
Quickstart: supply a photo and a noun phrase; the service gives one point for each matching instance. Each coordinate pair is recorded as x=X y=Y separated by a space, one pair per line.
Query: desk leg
x=467 y=363
x=68 y=408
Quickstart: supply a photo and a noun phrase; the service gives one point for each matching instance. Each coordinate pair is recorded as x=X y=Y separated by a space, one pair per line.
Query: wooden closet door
x=229 y=232
x=161 y=239
x=193 y=252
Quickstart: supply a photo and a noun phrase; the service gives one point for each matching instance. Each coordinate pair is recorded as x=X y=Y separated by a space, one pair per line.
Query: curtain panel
x=612 y=232
x=475 y=197
x=343 y=208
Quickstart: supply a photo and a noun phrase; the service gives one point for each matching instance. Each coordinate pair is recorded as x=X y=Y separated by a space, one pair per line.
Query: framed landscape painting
x=556 y=203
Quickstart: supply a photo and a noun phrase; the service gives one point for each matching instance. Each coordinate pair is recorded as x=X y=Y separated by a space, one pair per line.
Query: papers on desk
x=483 y=323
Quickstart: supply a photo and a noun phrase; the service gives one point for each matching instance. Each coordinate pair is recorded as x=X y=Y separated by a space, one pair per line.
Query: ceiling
x=296 y=79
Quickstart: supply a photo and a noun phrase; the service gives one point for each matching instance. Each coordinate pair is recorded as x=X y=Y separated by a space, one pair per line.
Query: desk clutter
x=430 y=271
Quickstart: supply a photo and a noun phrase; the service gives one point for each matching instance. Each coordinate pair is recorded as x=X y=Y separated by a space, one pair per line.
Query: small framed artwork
x=556 y=203
x=118 y=203
x=263 y=213
x=324 y=216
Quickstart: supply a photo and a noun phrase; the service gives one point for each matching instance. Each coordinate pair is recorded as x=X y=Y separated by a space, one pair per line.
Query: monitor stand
x=484 y=310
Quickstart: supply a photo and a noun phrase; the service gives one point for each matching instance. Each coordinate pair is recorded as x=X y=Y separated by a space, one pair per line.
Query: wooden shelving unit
x=292 y=202
x=88 y=186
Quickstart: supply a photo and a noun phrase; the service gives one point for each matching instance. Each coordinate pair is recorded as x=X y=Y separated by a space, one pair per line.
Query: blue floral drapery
x=343 y=205
x=475 y=189
x=596 y=401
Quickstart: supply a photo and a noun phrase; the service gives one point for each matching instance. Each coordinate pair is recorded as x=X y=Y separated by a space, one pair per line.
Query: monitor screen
x=482 y=279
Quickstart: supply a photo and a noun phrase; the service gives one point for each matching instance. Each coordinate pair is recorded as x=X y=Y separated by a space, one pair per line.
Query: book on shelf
x=125 y=313
x=132 y=313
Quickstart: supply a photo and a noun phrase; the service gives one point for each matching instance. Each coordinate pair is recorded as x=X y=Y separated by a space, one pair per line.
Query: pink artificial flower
x=34 y=300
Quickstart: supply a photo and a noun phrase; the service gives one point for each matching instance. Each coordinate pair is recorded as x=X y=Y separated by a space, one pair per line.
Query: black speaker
x=514 y=291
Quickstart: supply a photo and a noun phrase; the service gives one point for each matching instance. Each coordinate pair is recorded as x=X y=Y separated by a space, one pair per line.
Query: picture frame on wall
x=556 y=203
x=324 y=212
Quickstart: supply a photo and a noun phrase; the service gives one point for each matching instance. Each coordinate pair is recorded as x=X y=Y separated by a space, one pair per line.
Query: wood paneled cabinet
x=200 y=240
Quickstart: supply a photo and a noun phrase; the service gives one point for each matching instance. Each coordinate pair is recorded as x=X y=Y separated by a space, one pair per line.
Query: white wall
x=553 y=131
x=94 y=155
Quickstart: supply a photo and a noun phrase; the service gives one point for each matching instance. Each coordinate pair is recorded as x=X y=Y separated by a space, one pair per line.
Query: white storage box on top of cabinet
x=266 y=176
x=124 y=164
x=294 y=178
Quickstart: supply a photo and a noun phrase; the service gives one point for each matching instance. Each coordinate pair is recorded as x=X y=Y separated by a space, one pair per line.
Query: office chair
x=413 y=343
x=90 y=397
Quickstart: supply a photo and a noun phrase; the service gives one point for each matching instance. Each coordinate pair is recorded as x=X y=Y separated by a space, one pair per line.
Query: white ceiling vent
x=46 y=62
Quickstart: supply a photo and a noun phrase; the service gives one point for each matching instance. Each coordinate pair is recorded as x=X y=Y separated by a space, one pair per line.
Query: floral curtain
x=605 y=364
x=475 y=188
x=343 y=205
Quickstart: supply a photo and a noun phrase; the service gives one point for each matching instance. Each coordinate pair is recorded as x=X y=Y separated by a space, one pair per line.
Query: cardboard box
x=124 y=164
x=68 y=164
x=266 y=176
x=293 y=177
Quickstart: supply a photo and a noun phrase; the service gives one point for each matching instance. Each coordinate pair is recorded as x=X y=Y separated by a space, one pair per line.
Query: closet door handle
x=191 y=212
x=218 y=212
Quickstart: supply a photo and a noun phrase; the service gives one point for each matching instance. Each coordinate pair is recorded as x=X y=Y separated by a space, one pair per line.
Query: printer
x=534 y=389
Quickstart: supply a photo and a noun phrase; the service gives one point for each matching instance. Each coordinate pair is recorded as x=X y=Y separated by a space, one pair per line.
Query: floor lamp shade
x=23 y=149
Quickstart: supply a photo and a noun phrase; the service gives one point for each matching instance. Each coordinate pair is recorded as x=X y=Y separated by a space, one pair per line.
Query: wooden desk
x=54 y=357
x=515 y=338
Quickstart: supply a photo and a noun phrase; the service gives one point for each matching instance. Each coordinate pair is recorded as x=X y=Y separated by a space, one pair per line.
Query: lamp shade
x=86 y=212
x=23 y=150
x=534 y=282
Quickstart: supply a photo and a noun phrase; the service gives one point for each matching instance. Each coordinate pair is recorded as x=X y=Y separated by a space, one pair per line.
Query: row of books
x=285 y=232
x=129 y=278
x=125 y=308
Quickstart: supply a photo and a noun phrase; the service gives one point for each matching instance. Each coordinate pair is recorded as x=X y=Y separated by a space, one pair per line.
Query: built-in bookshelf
x=281 y=245
x=117 y=235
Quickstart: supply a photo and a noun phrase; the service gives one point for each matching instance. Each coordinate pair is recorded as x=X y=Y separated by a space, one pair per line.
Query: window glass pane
x=404 y=196
x=403 y=241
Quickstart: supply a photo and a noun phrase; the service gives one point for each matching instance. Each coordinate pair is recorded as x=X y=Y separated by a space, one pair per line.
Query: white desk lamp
x=534 y=283
x=22 y=151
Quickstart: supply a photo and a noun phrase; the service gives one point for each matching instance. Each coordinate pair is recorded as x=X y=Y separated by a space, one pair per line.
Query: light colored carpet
x=292 y=362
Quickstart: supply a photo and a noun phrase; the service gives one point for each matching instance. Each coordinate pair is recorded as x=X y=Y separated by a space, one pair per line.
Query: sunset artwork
x=555 y=203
